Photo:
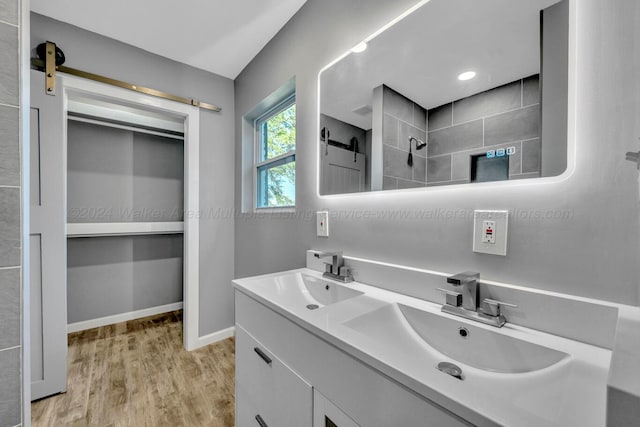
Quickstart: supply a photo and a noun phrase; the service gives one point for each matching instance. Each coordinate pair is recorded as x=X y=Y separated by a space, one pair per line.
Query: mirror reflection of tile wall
x=504 y=117
x=402 y=119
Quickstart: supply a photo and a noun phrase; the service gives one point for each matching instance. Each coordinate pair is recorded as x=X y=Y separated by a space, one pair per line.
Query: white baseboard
x=215 y=337
x=123 y=317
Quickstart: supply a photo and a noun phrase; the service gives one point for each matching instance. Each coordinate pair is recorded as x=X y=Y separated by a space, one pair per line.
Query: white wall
x=90 y=52
x=594 y=253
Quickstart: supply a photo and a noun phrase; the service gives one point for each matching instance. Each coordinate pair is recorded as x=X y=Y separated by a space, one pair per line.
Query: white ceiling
x=221 y=36
x=422 y=55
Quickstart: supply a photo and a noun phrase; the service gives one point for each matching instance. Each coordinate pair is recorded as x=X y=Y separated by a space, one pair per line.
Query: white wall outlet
x=322 y=224
x=490 y=232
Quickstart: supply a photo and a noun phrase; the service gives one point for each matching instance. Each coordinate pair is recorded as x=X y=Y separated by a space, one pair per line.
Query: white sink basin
x=448 y=340
x=301 y=291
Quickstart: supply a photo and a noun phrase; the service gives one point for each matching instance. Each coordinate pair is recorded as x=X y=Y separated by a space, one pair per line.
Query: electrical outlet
x=490 y=232
x=322 y=224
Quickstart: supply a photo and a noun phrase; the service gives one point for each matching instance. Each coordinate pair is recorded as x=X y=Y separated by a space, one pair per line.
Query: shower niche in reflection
x=455 y=92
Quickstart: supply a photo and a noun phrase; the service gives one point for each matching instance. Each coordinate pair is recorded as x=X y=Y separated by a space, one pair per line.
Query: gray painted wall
x=593 y=251
x=117 y=175
x=10 y=208
x=91 y=52
x=114 y=275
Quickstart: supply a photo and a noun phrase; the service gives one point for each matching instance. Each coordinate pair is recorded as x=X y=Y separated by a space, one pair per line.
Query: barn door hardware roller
x=633 y=157
x=51 y=59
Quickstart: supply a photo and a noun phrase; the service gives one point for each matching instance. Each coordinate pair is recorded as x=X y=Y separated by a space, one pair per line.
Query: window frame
x=276 y=161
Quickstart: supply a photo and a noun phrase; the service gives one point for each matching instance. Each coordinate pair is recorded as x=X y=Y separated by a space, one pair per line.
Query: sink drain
x=313 y=306
x=451 y=369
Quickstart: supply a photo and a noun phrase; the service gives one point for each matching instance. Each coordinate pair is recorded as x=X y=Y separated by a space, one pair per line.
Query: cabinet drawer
x=274 y=391
x=246 y=414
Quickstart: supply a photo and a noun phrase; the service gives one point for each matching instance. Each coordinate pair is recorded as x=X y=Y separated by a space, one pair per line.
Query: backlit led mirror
x=455 y=92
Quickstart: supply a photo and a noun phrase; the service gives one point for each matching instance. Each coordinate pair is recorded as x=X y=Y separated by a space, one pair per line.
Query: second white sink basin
x=448 y=340
x=299 y=291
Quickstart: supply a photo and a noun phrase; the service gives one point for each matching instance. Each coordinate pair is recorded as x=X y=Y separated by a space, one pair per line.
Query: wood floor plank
x=137 y=373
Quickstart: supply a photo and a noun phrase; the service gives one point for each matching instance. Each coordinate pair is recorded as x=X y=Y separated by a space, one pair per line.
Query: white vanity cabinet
x=268 y=392
x=303 y=365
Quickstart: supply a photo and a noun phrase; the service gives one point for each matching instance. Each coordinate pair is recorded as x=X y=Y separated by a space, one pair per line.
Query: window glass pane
x=278 y=134
x=276 y=184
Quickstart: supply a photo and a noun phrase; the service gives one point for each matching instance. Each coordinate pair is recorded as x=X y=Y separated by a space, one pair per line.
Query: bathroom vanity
x=313 y=351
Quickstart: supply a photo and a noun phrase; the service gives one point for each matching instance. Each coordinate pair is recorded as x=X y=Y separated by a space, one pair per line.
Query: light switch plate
x=492 y=242
x=322 y=224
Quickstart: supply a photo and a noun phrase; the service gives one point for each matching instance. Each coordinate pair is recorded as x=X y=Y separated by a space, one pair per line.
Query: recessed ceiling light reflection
x=467 y=75
x=360 y=47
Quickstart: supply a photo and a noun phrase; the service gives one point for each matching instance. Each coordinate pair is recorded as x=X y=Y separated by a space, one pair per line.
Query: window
x=275 y=158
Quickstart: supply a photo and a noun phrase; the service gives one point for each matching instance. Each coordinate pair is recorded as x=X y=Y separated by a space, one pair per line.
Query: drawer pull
x=261 y=421
x=263 y=356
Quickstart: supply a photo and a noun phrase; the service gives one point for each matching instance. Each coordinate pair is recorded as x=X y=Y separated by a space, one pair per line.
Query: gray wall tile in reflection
x=389 y=183
x=409 y=184
x=397 y=105
x=440 y=117
x=9 y=146
x=515 y=125
x=419 y=117
x=419 y=168
x=439 y=168
x=503 y=98
x=9 y=64
x=390 y=130
x=395 y=163
x=531 y=90
x=9 y=227
x=531 y=156
x=9 y=308
x=10 y=387
x=440 y=184
x=525 y=176
x=456 y=138
x=515 y=160
x=9 y=11
x=461 y=166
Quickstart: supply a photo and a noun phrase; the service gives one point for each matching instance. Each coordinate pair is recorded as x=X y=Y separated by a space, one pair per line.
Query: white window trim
x=257 y=163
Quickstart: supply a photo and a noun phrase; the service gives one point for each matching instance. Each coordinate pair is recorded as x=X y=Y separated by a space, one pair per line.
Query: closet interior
x=125 y=211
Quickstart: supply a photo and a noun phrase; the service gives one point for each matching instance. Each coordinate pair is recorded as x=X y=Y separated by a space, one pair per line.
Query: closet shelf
x=97 y=229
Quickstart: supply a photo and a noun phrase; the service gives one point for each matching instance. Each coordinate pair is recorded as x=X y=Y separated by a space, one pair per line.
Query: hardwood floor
x=138 y=374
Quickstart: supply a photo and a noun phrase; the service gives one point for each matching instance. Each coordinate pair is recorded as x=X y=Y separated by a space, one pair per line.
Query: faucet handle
x=452 y=297
x=491 y=307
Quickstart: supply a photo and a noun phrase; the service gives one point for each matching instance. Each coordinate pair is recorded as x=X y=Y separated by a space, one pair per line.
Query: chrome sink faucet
x=469 y=282
x=336 y=269
x=466 y=303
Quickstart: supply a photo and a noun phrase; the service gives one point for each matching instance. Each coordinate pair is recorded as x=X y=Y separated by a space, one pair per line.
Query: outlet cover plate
x=500 y=219
x=322 y=224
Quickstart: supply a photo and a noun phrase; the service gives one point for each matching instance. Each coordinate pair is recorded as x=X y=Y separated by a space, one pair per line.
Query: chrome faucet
x=466 y=303
x=469 y=282
x=335 y=270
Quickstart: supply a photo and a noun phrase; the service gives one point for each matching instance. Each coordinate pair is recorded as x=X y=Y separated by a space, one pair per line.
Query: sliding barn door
x=342 y=171
x=48 y=260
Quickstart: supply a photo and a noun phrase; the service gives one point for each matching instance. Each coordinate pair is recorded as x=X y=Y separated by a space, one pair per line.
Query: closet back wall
x=94 y=53
x=119 y=175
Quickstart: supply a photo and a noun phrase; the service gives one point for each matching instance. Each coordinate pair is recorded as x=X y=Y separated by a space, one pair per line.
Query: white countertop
x=571 y=392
